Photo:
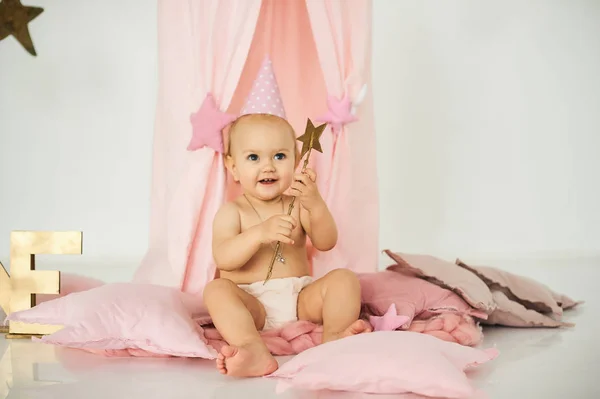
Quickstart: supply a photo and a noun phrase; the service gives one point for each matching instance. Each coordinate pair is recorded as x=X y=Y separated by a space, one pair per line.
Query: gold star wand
x=310 y=141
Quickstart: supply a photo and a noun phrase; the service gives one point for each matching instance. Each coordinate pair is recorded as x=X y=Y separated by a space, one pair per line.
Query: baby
x=262 y=156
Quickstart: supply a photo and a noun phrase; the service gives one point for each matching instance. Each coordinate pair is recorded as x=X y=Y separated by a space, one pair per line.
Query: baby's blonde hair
x=259 y=118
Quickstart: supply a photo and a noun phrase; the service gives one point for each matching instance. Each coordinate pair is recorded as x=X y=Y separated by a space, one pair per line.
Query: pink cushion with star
x=70 y=283
x=411 y=296
x=148 y=318
x=386 y=362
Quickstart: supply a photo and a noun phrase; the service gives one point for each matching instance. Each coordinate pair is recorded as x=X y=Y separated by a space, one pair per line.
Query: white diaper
x=279 y=297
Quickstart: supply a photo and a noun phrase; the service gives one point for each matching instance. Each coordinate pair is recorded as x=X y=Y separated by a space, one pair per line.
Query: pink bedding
x=429 y=309
x=299 y=336
x=508 y=299
x=394 y=299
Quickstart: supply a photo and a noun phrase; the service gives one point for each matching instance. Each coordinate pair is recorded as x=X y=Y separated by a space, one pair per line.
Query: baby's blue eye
x=253 y=157
x=279 y=156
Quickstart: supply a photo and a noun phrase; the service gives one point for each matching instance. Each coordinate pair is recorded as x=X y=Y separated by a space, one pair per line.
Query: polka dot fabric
x=264 y=97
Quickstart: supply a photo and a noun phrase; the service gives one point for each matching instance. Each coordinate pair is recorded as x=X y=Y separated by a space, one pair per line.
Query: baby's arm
x=231 y=248
x=315 y=216
x=320 y=227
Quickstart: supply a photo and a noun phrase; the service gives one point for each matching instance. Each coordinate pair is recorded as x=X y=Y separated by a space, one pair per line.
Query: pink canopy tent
x=320 y=50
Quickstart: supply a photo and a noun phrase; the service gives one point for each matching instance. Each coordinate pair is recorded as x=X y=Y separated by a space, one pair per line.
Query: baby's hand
x=305 y=188
x=277 y=228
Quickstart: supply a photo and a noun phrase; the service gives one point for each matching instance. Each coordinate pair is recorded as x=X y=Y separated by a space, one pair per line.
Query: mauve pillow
x=528 y=292
x=117 y=316
x=412 y=296
x=386 y=362
x=513 y=314
x=448 y=275
x=564 y=301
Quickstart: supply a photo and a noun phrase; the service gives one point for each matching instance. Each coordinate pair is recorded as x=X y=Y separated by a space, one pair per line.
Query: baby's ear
x=230 y=165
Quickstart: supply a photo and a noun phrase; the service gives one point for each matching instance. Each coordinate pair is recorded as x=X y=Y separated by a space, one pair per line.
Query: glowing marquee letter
x=17 y=291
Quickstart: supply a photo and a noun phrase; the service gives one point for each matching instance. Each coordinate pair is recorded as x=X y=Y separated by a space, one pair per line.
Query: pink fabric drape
x=347 y=169
x=203 y=46
x=217 y=46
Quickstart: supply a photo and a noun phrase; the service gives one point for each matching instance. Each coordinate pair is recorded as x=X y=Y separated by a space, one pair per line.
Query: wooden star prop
x=14 y=20
x=310 y=138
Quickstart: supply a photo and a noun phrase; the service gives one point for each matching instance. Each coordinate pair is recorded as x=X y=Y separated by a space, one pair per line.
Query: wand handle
x=289 y=212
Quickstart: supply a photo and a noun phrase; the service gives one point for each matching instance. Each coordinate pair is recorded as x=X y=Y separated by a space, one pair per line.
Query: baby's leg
x=333 y=300
x=237 y=315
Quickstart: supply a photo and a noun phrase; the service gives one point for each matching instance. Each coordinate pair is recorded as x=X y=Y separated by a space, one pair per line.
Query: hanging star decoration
x=14 y=20
x=310 y=141
x=207 y=126
x=339 y=113
x=390 y=321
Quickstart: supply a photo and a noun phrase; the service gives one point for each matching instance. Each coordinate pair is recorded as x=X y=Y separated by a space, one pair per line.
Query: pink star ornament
x=207 y=125
x=339 y=113
x=390 y=321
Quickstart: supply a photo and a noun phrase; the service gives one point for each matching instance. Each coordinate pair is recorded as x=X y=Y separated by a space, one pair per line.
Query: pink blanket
x=427 y=309
x=419 y=293
x=301 y=335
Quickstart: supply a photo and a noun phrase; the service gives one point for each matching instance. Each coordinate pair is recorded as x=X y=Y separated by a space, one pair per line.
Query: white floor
x=533 y=363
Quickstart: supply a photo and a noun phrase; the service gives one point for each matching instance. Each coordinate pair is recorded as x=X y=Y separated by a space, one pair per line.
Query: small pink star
x=207 y=125
x=390 y=321
x=338 y=113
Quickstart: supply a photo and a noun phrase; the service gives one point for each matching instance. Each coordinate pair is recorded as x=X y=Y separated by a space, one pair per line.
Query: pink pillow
x=513 y=314
x=119 y=316
x=564 y=301
x=412 y=296
x=528 y=292
x=387 y=362
x=70 y=283
x=448 y=275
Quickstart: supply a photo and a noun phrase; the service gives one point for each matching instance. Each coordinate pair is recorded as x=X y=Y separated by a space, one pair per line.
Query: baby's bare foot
x=358 y=327
x=251 y=360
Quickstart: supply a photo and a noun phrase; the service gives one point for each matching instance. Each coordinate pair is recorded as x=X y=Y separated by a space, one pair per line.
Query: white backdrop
x=487 y=117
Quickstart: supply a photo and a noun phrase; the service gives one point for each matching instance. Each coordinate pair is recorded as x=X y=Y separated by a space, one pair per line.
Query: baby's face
x=263 y=156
